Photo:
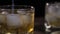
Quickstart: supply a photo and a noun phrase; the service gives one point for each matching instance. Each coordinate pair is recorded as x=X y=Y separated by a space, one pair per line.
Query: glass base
x=53 y=31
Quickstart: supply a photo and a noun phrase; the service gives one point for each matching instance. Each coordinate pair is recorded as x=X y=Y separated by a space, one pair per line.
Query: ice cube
x=4 y=12
x=14 y=20
x=21 y=11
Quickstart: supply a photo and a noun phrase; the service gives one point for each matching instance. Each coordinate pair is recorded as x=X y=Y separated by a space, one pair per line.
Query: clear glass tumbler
x=17 y=19
x=52 y=18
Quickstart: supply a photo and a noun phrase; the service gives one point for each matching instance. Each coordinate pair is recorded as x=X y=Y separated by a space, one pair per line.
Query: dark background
x=39 y=8
x=38 y=4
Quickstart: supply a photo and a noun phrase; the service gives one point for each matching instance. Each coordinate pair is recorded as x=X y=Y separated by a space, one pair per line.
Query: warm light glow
x=47 y=4
x=3 y=12
x=30 y=30
x=8 y=33
x=32 y=7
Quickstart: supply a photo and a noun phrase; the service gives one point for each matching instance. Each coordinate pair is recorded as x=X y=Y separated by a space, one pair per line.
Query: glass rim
x=55 y=3
x=18 y=6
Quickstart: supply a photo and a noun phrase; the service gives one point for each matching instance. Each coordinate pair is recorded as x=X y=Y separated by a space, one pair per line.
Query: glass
x=52 y=17
x=17 y=19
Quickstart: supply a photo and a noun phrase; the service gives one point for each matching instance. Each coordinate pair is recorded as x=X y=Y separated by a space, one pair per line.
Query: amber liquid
x=54 y=21
x=17 y=24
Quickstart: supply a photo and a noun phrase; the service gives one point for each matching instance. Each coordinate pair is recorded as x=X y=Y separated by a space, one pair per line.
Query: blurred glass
x=17 y=19
x=52 y=16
